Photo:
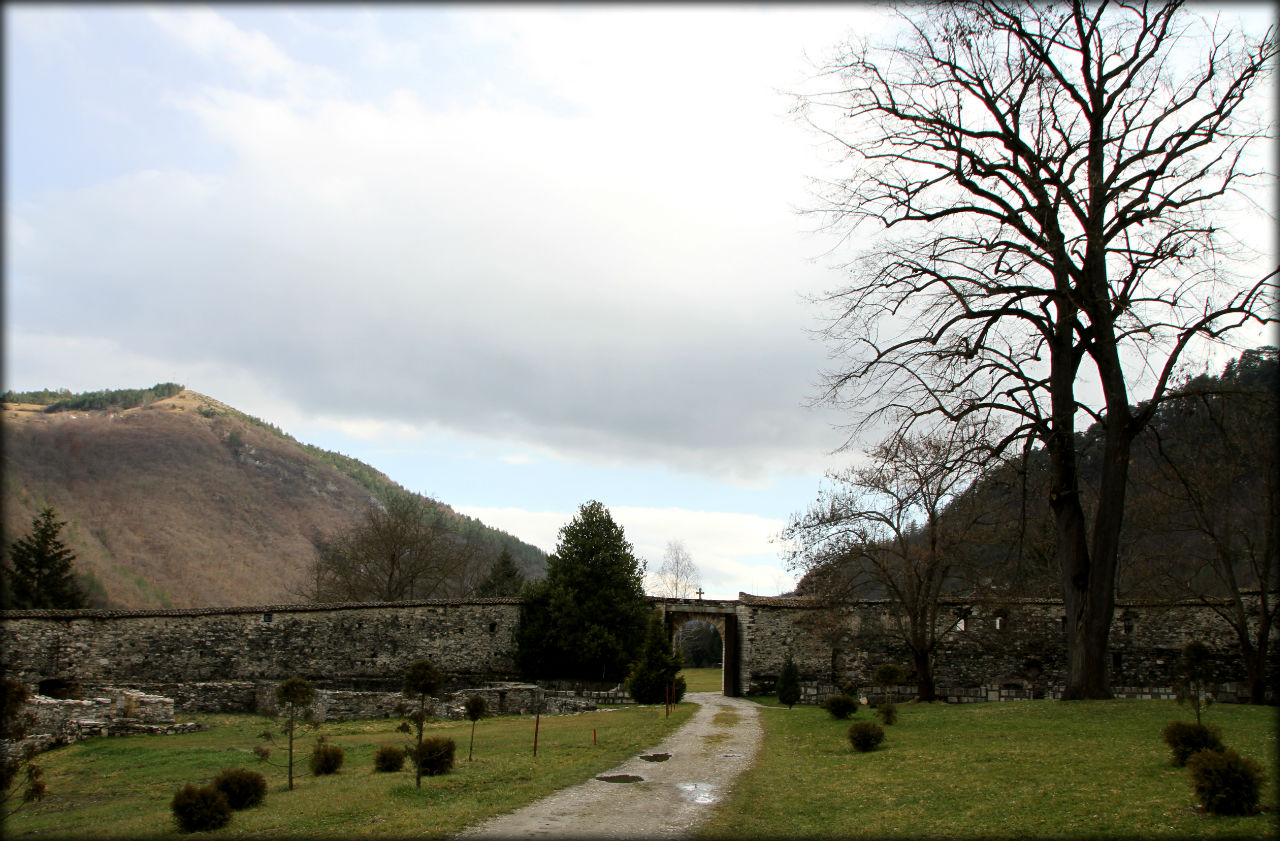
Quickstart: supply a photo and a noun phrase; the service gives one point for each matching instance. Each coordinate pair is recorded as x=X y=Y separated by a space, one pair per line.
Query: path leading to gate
x=665 y=792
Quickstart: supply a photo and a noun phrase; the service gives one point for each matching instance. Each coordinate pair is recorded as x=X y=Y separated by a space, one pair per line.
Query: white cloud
x=583 y=282
x=250 y=54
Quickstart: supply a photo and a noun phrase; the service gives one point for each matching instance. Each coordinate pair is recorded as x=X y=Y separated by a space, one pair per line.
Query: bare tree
x=402 y=551
x=1044 y=179
x=893 y=529
x=678 y=576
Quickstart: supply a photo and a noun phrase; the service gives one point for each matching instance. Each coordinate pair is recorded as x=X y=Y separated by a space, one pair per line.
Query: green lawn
x=1037 y=769
x=121 y=787
x=702 y=680
x=1028 y=769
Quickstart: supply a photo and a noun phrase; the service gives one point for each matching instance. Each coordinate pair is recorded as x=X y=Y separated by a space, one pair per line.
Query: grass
x=121 y=787
x=1029 y=769
x=702 y=680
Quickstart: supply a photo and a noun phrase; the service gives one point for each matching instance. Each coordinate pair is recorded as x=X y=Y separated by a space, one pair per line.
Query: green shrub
x=841 y=706
x=434 y=756
x=890 y=674
x=1225 y=782
x=326 y=758
x=242 y=788
x=656 y=670
x=789 y=683
x=866 y=735
x=1185 y=738
x=197 y=809
x=888 y=712
x=388 y=758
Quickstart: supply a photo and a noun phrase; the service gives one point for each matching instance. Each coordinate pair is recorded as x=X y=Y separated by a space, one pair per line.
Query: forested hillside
x=1202 y=501
x=173 y=499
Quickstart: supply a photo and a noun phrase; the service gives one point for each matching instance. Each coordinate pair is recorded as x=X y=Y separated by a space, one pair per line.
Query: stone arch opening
x=700 y=642
x=723 y=617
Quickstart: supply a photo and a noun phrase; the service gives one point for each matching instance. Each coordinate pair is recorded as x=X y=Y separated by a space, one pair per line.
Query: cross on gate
x=699 y=594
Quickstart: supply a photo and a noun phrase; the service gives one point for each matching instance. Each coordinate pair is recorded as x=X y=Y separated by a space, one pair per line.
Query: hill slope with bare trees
x=185 y=502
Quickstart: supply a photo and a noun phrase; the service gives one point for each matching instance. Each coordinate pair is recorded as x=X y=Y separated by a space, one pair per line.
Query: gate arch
x=724 y=616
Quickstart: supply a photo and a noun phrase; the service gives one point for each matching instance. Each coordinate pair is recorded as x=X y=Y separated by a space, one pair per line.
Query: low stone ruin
x=118 y=712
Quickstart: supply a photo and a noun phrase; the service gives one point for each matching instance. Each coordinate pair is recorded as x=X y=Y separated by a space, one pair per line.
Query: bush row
x=1225 y=782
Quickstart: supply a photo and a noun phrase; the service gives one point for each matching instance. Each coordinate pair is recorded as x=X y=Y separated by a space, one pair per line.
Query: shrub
x=1225 y=782
x=890 y=674
x=434 y=756
x=789 y=683
x=242 y=788
x=200 y=808
x=888 y=712
x=866 y=735
x=326 y=758
x=656 y=670
x=1185 y=738
x=841 y=706
x=388 y=758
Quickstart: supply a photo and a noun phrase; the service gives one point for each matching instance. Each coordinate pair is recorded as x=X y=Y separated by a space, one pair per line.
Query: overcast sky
x=514 y=257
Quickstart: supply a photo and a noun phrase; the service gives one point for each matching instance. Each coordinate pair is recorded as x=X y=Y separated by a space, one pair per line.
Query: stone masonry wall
x=1002 y=650
x=221 y=659
x=348 y=642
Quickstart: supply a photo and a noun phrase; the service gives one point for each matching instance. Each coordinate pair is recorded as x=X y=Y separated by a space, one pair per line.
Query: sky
x=515 y=257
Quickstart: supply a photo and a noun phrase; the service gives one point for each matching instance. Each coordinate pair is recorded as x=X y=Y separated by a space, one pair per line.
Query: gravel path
x=670 y=797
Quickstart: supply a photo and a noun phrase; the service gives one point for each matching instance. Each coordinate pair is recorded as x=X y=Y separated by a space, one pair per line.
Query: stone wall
x=117 y=712
x=351 y=642
x=214 y=660
x=1001 y=650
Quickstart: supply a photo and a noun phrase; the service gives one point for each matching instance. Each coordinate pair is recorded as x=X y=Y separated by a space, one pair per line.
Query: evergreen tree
x=587 y=618
x=504 y=579
x=39 y=568
x=657 y=668
x=789 y=683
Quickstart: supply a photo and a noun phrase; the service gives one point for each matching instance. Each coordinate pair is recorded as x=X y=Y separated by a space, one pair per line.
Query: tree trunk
x=925 y=690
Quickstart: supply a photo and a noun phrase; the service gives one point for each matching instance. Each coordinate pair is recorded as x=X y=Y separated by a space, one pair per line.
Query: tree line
x=119 y=399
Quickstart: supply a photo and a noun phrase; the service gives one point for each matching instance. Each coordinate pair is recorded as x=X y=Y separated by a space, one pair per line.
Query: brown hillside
x=180 y=503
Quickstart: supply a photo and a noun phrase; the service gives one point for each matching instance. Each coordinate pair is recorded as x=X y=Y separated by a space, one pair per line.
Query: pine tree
x=789 y=683
x=504 y=579
x=657 y=668
x=39 y=568
x=587 y=618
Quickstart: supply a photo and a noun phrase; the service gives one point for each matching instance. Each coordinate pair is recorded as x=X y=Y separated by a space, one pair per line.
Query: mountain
x=173 y=499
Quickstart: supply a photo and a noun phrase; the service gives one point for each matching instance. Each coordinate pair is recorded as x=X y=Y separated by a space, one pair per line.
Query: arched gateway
x=724 y=616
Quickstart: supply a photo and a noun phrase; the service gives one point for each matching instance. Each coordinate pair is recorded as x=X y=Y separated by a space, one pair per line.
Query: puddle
x=620 y=778
x=701 y=793
x=656 y=757
x=728 y=756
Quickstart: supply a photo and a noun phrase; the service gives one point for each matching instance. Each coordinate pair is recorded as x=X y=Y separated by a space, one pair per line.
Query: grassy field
x=702 y=680
x=1028 y=769
x=121 y=787
x=1032 y=769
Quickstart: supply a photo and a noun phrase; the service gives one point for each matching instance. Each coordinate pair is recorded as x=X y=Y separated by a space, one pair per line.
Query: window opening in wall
x=961 y=624
x=1128 y=625
x=493 y=627
x=999 y=623
x=267 y=617
x=1116 y=660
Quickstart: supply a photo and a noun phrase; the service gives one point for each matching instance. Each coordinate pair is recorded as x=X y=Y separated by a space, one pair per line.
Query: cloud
x=610 y=283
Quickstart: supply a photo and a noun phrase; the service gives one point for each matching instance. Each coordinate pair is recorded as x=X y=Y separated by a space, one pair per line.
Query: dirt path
x=671 y=796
